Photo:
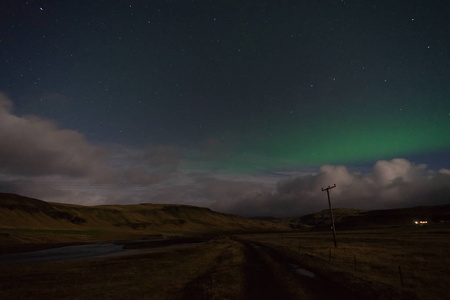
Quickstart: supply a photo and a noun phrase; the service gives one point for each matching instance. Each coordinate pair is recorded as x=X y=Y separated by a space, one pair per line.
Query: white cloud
x=444 y=171
x=385 y=172
x=34 y=146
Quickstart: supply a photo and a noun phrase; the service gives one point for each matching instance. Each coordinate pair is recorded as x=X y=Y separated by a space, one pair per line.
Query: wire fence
x=368 y=262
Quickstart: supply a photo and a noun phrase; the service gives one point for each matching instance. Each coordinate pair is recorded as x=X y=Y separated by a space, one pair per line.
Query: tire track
x=261 y=282
x=271 y=275
x=266 y=273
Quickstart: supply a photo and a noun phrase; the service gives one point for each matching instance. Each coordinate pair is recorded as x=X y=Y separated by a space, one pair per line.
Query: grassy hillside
x=27 y=220
x=357 y=219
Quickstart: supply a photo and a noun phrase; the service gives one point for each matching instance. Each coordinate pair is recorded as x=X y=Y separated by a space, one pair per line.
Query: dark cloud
x=167 y=157
x=150 y=165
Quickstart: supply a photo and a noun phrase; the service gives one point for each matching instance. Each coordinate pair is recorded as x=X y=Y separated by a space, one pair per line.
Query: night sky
x=248 y=107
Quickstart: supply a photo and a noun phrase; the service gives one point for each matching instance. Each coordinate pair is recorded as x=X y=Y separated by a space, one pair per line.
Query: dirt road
x=268 y=274
x=262 y=280
x=271 y=275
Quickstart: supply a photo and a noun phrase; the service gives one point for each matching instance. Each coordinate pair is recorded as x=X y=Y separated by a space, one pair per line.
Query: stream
x=94 y=250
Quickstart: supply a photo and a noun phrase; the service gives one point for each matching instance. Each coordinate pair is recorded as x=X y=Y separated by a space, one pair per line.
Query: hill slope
x=353 y=219
x=25 y=220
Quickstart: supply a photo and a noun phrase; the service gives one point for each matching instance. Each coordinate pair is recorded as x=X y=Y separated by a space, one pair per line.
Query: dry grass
x=213 y=268
x=365 y=261
x=372 y=258
x=225 y=278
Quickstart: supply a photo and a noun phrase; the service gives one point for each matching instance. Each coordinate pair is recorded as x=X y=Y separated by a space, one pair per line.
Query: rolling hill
x=28 y=220
x=357 y=219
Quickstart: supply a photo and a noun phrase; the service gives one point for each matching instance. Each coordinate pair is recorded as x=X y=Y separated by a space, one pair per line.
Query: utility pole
x=331 y=212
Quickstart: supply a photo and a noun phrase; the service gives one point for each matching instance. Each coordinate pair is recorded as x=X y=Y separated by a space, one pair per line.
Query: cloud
x=143 y=166
x=34 y=146
x=444 y=171
x=40 y=160
x=390 y=184
x=385 y=172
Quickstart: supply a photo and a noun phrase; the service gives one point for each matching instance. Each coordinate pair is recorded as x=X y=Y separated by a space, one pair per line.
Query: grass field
x=366 y=261
x=402 y=262
x=406 y=260
x=210 y=270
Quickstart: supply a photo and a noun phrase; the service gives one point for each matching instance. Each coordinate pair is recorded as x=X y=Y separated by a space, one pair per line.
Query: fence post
x=400 y=272
x=329 y=255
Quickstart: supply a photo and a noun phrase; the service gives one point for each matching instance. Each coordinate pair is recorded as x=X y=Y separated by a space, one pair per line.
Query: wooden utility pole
x=331 y=212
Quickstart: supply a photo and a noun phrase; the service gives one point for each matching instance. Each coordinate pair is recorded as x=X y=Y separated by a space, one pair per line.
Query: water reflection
x=303 y=272
x=95 y=250
x=98 y=250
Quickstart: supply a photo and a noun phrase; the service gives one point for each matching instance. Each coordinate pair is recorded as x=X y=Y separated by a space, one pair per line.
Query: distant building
x=421 y=222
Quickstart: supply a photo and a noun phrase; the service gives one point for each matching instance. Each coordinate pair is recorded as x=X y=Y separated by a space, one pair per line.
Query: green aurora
x=338 y=137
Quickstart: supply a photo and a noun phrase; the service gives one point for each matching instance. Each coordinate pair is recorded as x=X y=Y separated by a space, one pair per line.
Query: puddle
x=303 y=272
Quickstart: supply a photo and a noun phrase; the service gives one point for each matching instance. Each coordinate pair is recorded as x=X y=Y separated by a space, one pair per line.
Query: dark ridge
x=264 y=218
x=350 y=218
x=34 y=206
